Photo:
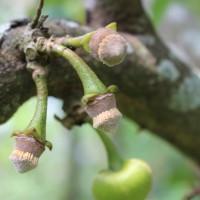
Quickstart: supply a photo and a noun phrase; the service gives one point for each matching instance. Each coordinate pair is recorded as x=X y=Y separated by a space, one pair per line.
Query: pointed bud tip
x=23 y=161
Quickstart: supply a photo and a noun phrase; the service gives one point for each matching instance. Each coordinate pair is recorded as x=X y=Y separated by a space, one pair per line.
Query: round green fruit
x=131 y=182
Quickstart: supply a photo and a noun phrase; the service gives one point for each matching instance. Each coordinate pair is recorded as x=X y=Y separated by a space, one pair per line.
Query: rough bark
x=157 y=90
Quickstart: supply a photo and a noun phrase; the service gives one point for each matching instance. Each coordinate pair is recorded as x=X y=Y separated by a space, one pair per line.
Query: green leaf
x=158 y=10
x=193 y=5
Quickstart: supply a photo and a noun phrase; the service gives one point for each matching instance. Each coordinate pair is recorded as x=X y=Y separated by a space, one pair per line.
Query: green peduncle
x=91 y=83
x=114 y=159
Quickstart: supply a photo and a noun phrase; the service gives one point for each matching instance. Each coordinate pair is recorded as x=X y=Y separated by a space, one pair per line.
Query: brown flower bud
x=102 y=109
x=108 y=46
x=26 y=153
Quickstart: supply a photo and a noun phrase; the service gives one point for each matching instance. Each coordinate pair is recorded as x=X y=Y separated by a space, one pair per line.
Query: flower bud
x=108 y=46
x=26 y=153
x=102 y=109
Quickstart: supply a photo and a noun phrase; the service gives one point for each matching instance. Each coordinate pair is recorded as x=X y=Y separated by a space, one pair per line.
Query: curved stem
x=77 y=42
x=114 y=159
x=71 y=41
x=39 y=119
x=90 y=81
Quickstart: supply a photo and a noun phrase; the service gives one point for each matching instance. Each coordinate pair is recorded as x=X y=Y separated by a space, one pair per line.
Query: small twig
x=35 y=20
x=41 y=21
x=195 y=192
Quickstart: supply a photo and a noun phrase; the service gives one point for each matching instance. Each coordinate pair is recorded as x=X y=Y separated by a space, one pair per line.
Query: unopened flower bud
x=26 y=153
x=102 y=109
x=108 y=46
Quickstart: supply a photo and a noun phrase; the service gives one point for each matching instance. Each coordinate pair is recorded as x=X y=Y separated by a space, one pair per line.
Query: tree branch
x=157 y=91
x=129 y=15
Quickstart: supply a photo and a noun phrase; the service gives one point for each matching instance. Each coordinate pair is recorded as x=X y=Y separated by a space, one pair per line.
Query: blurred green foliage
x=159 y=7
x=193 y=5
x=69 y=9
x=158 y=10
x=67 y=172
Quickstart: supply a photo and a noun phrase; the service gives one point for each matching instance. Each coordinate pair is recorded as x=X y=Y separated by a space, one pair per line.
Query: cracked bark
x=157 y=90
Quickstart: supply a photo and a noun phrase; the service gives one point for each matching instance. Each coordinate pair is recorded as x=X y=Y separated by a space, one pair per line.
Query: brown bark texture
x=157 y=90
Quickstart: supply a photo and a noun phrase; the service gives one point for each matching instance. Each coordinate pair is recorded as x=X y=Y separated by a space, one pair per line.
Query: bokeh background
x=67 y=172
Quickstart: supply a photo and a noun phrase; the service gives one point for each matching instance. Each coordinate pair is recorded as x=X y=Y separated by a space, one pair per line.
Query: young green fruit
x=131 y=182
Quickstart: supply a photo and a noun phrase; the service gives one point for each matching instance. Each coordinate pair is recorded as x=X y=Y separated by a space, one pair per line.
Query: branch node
x=31 y=51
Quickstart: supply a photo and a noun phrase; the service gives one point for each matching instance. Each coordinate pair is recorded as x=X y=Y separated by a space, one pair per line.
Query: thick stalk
x=71 y=41
x=90 y=81
x=39 y=119
x=114 y=159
